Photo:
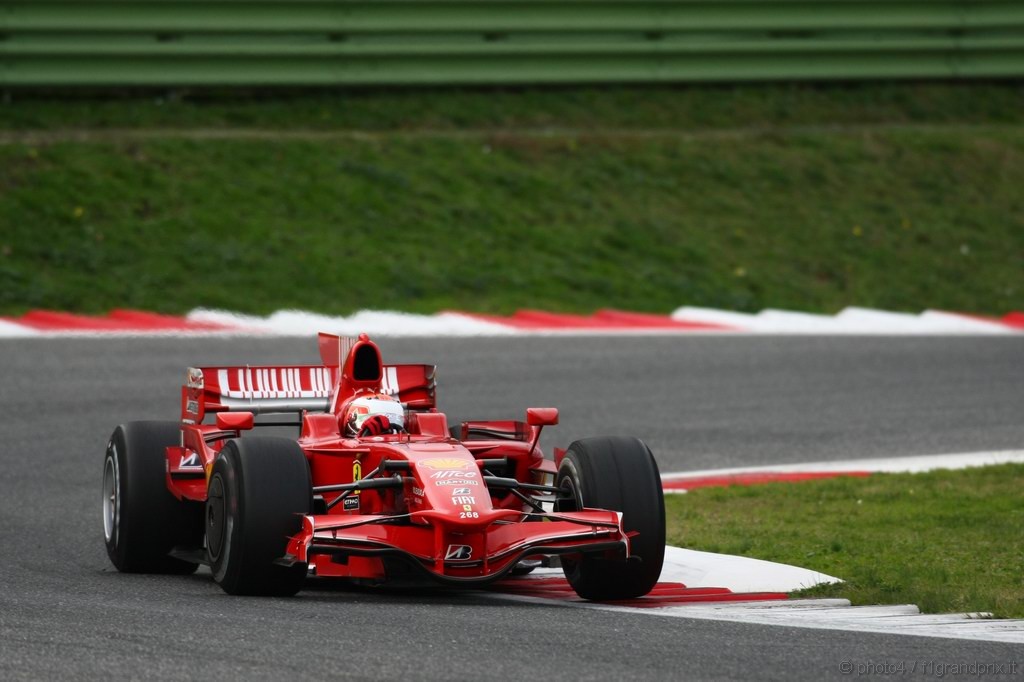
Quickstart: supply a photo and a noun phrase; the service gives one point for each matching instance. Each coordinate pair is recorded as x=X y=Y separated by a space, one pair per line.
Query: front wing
x=451 y=550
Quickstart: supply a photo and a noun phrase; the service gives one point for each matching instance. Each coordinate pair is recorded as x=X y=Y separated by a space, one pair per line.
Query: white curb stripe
x=821 y=614
x=829 y=615
x=14 y=330
x=736 y=573
x=913 y=464
x=390 y=323
x=851 y=320
x=833 y=614
x=372 y=322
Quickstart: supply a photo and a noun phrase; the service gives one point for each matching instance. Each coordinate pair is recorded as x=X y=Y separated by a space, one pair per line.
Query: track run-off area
x=702 y=402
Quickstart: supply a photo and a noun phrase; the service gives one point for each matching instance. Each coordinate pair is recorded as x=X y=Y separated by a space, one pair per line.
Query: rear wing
x=293 y=388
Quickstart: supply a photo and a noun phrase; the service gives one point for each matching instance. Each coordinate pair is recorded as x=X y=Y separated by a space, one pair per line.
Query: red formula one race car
x=376 y=488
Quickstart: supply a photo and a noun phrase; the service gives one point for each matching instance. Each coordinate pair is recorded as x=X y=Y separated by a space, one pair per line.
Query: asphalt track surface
x=700 y=403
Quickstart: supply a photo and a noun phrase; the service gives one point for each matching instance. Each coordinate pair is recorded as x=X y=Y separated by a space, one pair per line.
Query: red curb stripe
x=498 y=319
x=649 y=321
x=1015 y=320
x=605 y=319
x=145 y=320
x=1012 y=320
x=564 y=320
x=119 y=320
x=663 y=594
x=45 y=320
x=527 y=320
x=656 y=602
x=755 y=479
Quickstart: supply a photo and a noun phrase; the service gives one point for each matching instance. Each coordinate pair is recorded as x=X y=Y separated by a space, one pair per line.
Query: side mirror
x=542 y=416
x=234 y=421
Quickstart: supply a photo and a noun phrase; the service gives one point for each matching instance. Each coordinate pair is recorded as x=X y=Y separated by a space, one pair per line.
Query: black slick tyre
x=619 y=474
x=142 y=520
x=258 y=493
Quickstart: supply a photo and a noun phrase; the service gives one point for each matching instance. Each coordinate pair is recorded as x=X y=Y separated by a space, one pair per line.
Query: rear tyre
x=619 y=474
x=259 y=491
x=142 y=520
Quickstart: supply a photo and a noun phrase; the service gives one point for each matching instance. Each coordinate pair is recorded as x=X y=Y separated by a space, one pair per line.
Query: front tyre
x=142 y=520
x=259 y=491
x=618 y=474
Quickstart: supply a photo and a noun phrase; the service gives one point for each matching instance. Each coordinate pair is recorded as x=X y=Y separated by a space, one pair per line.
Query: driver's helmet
x=371 y=405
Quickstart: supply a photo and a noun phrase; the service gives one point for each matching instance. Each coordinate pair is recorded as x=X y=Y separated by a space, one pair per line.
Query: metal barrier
x=53 y=43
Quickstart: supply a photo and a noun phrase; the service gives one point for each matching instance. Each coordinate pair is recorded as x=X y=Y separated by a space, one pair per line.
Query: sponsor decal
x=456 y=482
x=192 y=406
x=350 y=503
x=417 y=491
x=194 y=378
x=463 y=499
x=459 y=553
x=191 y=460
x=462 y=491
x=445 y=463
x=357 y=474
x=453 y=474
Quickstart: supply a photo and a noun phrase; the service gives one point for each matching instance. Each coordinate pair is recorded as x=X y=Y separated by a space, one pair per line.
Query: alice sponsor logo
x=453 y=474
x=456 y=482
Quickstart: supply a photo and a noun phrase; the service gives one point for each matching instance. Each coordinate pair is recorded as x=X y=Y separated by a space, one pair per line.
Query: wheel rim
x=111 y=499
x=215 y=516
x=569 y=500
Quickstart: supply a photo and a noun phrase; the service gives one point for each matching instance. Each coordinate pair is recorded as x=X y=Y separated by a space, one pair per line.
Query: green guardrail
x=55 y=43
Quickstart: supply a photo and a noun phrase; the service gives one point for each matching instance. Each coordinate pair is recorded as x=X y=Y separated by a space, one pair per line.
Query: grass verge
x=698 y=107
x=898 y=197
x=948 y=541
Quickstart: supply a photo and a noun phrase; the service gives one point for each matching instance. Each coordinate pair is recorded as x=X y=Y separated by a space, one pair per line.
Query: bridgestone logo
x=459 y=553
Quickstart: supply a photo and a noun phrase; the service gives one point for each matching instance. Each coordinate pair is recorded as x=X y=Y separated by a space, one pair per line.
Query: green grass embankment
x=900 y=197
x=948 y=541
